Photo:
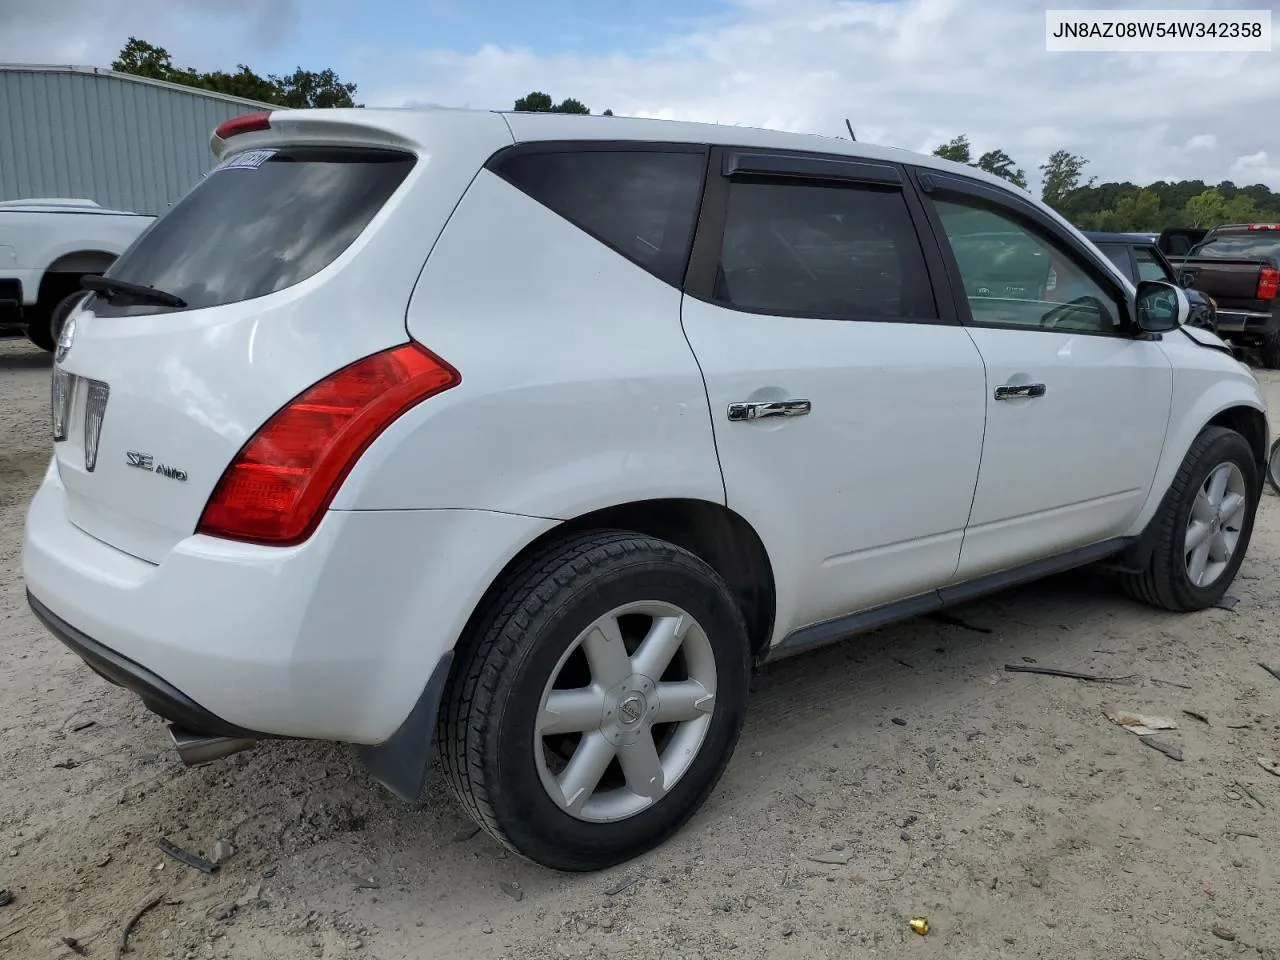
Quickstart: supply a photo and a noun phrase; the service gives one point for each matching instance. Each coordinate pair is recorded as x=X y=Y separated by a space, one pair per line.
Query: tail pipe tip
x=197 y=749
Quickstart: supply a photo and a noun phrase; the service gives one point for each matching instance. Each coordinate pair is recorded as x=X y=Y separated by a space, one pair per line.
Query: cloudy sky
x=910 y=73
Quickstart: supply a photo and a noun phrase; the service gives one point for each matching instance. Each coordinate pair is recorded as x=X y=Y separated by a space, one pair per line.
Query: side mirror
x=1161 y=306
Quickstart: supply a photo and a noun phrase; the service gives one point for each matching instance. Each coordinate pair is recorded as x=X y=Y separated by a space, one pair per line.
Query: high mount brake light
x=248 y=123
x=279 y=485
x=1268 y=283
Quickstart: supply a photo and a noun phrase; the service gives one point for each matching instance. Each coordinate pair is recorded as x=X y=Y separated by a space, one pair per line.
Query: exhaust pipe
x=196 y=749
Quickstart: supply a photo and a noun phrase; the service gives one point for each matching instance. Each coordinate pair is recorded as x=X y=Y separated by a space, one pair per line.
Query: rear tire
x=1271 y=350
x=1202 y=527
x=38 y=330
x=613 y=779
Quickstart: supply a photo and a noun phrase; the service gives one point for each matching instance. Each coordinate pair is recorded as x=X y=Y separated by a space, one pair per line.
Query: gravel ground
x=902 y=774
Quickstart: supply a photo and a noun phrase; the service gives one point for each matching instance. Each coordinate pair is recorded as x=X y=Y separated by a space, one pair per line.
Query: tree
x=956 y=150
x=1000 y=164
x=1240 y=209
x=302 y=88
x=1062 y=173
x=539 y=102
x=1205 y=209
x=1139 y=212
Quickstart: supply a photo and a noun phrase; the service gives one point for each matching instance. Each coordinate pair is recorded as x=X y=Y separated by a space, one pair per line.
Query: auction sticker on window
x=247 y=160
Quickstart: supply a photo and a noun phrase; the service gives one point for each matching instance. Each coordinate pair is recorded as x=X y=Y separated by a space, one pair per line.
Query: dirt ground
x=903 y=774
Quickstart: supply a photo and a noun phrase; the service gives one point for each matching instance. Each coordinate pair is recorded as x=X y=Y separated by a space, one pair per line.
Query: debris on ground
x=512 y=889
x=919 y=925
x=1269 y=765
x=67 y=764
x=6 y=898
x=1141 y=724
x=122 y=945
x=1198 y=716
x=898 y=722
x=1252 y=796
x=1222 y=933
x=182 y=856
x=1069 y=674
x=84 y=725
x=837 y=857
x=624 y=884
x=75 y=946
x=1271 y=670
x=1227 y=602
x=223 y=851
x=1170 y=750
x=465 y=833
x=367 y=883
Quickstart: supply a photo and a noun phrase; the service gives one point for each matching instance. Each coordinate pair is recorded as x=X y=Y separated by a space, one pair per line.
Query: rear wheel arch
x=710 y=531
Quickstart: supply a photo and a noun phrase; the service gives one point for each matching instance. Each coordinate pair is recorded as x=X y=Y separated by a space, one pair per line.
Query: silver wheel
x=1217 y=519
x=625 y=712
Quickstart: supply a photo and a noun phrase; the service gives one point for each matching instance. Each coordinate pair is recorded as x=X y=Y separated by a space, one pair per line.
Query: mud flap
x=400 y=762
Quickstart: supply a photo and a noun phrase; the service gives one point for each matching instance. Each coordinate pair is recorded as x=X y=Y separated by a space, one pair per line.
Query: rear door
x=846 y=401
x=1077 y=405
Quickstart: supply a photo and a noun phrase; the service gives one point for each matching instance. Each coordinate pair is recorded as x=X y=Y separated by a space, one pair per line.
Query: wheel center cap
x=632 y=708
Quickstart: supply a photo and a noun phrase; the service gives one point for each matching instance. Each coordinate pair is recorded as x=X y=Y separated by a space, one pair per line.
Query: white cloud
x=1257 y=168
x=911 y=73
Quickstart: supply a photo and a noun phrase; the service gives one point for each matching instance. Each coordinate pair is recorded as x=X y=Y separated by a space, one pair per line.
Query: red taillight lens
x=1264 y=226
x=277 y=488
x=1268 y=283
x=249 y=123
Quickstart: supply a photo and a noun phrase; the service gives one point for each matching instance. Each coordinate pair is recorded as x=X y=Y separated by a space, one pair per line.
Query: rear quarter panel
x=579 y=390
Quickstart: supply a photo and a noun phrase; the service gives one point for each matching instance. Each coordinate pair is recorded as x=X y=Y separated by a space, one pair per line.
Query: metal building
x=127 y=142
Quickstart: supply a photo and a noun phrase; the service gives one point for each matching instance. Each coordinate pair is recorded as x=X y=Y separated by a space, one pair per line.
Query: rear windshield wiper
x=110 y=288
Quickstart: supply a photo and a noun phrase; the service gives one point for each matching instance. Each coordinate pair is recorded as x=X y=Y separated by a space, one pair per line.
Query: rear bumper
x=159 y=695
x=334 y=639
x=1244 y=321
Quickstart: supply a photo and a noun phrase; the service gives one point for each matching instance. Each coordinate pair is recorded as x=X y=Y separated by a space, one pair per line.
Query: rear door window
x=642 y=203
x=1118 y=254
x=825 y=251
x=1150 y=266
x=260 y=222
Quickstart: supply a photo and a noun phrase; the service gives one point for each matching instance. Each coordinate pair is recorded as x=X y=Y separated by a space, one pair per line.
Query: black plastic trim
x=160 y=696
x=400 y=763
x=808 y=167
x=831 y=631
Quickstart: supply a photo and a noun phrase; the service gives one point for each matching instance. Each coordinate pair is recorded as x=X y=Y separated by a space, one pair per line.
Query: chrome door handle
x=768 y=408
x=1008 y=392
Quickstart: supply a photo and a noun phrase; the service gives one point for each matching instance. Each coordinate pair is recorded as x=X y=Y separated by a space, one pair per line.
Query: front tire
x=596 y=700
x=38 y=329
x=1203 y=526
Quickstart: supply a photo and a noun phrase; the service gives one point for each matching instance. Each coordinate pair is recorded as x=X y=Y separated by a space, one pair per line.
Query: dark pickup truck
x=1139 y=258
x=1239 y=267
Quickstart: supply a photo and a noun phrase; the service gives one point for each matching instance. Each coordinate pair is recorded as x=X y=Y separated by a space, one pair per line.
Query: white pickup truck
x=46 y=246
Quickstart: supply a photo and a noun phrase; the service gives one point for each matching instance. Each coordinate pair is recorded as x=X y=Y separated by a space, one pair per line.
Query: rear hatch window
x=1242 y=246
x=261 y=221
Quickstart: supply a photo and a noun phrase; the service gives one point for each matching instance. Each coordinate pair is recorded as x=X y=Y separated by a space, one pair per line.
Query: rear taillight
x=281 y=482
x=248 y=123
x=1268 y=283
x=1264 y=226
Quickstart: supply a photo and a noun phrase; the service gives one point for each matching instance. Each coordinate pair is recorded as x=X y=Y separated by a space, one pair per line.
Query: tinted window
x=1118 y=254
x=262 y=221
x=1261 y=243
x=1149 y=266
x=641 y=203
x=822 y=251
x=1014 y=276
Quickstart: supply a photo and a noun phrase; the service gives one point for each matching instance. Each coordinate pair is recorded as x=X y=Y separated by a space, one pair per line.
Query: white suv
x=529 y=435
